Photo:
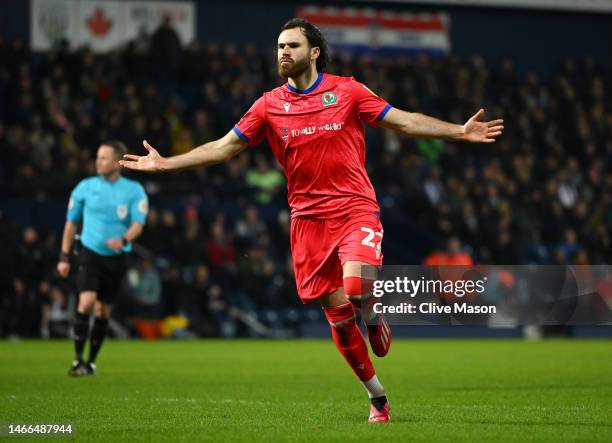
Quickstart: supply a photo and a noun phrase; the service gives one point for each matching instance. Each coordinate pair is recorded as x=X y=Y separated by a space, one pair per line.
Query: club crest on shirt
x=284 y=133
x=329 y=98
x=122 y=211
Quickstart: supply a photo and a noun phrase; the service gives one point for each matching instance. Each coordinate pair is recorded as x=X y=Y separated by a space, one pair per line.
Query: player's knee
x=86 y=308
x=336 y=298
x=343 y=324
x=339 y=317
x=86 y=303
x=102 y=310
x=357 y=288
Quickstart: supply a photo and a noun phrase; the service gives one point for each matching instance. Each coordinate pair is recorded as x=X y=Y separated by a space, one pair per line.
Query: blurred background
x=214 y=258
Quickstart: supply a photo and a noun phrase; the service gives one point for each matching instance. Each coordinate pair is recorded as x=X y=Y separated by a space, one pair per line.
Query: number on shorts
x=367 y=241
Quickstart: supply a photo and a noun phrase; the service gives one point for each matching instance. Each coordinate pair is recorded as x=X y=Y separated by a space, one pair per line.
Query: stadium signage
x=604 y=6
x=368 y=30
x=105 y=25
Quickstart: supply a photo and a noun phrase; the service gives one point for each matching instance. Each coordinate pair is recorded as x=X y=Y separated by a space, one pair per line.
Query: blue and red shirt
x=317 y=136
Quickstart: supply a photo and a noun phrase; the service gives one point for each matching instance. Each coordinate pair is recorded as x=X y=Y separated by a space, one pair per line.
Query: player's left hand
x=152 y=162
x=115 y=244
x=475 y=131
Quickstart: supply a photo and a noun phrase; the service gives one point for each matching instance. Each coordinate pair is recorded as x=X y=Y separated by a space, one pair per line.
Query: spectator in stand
x=144 y=291
x=30 y=281
x=55 y=318
x=166 y=50
x=453 y=256
x=265 y=180
x=250 y=228
x=221 y=253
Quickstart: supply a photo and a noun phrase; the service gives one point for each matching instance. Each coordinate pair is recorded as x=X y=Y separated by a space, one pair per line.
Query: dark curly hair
x=314 y=36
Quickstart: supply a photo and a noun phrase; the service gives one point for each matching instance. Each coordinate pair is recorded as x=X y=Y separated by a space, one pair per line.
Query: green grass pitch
x=268 y=391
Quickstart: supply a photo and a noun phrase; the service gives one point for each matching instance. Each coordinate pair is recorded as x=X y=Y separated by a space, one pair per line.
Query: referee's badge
x=329 y=98
x=143 y=206
x=122 y=211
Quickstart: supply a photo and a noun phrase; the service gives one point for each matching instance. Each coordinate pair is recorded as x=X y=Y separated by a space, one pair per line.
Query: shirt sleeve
x=372 y=109
x=139 y=206
x=77 y=203
x=252 y=126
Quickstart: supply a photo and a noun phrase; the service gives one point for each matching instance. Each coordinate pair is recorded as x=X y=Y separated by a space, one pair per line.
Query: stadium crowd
x=215 y=247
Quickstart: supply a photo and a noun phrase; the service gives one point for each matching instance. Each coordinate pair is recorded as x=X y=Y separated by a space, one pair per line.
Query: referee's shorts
x=101 y=274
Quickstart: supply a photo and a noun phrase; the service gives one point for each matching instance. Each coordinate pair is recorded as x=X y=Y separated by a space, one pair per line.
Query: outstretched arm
x=423 y=126
x=210 y=153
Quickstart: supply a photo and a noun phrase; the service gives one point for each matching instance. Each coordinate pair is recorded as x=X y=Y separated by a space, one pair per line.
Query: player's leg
x=346 y=334
x=358 y=280
x=351 y=344
x=81 y=330
x=87 y=279
x=98 y=333
x=360 y=252
x=112 y=271
x=318 y=275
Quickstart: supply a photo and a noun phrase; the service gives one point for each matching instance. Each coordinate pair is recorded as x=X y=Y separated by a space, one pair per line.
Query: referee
x=112 y=210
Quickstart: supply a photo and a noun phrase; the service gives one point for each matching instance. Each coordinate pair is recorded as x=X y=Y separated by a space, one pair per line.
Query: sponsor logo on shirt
x=284 y=133
x=329 y=98
x=286 y=105
x=310 y=130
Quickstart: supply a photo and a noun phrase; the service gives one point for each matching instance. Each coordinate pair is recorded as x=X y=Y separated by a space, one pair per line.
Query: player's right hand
x=63 y=269
x=152 y=162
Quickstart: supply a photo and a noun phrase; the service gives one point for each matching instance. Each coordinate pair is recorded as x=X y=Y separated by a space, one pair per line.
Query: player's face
x=294 y=53
x=106 y=161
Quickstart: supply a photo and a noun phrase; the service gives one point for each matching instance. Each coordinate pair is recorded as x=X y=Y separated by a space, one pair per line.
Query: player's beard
x=295 y=69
